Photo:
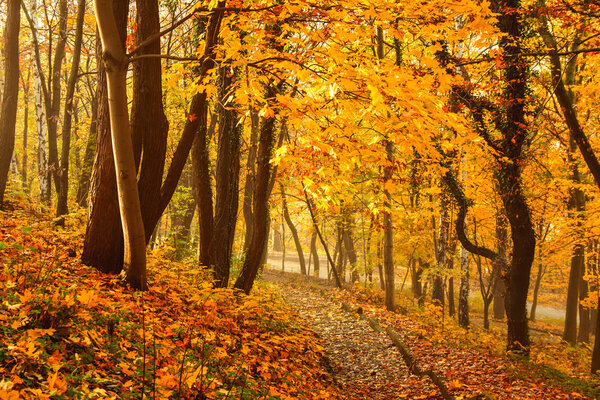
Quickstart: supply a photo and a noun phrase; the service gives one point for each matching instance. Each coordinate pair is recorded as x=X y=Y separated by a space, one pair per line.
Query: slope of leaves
x=67 y=331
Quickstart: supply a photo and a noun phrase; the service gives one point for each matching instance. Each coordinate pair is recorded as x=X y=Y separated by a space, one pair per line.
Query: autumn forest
x=299 y=200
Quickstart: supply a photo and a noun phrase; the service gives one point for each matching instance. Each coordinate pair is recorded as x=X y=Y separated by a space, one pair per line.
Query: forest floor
x=471 y=362
x=68 y=331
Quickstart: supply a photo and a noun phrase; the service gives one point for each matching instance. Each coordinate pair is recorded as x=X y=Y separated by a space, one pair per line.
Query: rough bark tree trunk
x=250 y=176
x=261 y=198
x=53 y=112
x=85 y=174
x=149 y=124
x=8 y=110
x=388 y=246
x=61 y=206
x=499 y=287
x=226 y=183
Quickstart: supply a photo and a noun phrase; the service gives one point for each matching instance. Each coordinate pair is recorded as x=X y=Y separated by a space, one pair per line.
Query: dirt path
x=366 y=365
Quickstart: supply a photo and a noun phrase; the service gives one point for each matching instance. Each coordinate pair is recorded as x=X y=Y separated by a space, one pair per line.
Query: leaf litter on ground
x=68 y=331
x=472 y=362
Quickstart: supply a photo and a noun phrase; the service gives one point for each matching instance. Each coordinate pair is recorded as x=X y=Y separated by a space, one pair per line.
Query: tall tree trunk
x=388 y=241
x=514 y=132
x=40 y=115
x=115 y=64
x=8 y=109
x=103 y=246
x=261 y=198
x=226 y=184
x=53 y=112
x=250 y=175
x=437 y=293
x=149 y=124
x=347 y=224
x=26 y=86
x=315 y=254
x=294 y=231
x=499 y=288
x=277 y=242
x=463 y=295
x=536 y=290
x=584 y=312
x=203 y=187
x=61 y=207
x=85 y=174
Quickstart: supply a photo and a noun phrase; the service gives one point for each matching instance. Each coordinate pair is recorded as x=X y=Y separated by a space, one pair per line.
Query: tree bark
x=53 y=111
x=8 y=109
x=260 y=207
x=103 y=246
x=149 y=124
x=338 y=282
x=203 y=186
x=536 y=290
x=294 y=231
x=85 y=174
x=250 y=176
x=499 y=288
x=388 y=241
x=347 y=224
x=315 y=254
x=115 y=63
x=61 y=207
x=226 y=183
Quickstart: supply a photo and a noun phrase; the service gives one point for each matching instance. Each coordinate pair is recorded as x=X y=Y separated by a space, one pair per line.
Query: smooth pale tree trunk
x=103 y=245
x=115 y=63
x=40 y=118
x=8 y=109
x=463 y=294
x=61 y=206
x=294 y=231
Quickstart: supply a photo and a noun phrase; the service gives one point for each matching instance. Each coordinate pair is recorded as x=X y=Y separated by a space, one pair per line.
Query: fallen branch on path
x=413 y=367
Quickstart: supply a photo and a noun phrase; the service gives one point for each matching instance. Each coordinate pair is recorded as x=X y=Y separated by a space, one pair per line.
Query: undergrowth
x=67 y=331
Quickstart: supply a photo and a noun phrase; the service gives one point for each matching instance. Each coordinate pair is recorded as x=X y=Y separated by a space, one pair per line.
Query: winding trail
x=363 y=362
x=366 y=364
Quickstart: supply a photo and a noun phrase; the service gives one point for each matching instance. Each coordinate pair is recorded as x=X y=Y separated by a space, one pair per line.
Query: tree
x=290 y=224
x=61 y=207
x=115 y=64
x=8 y=108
